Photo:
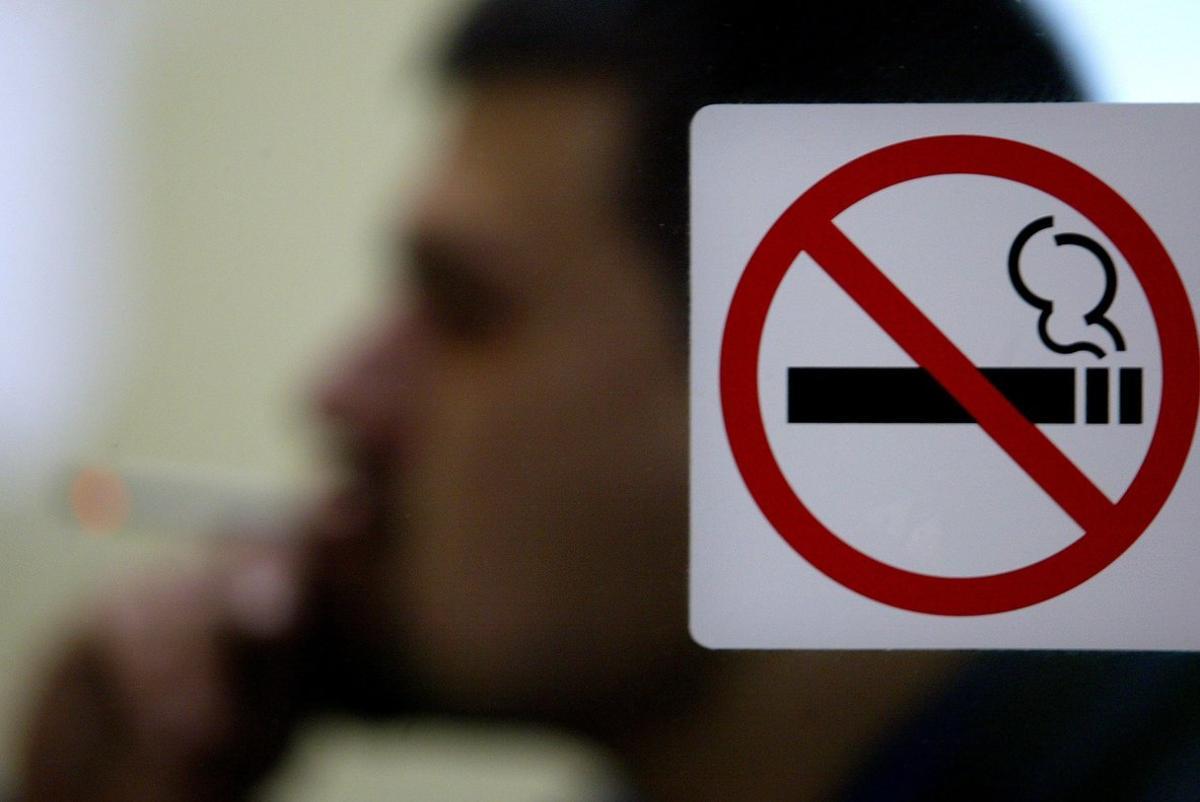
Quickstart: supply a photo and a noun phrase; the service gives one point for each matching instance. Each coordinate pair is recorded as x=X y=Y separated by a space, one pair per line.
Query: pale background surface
x=189 y=214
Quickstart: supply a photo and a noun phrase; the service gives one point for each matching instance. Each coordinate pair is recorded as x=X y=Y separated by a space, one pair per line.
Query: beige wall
x=274 y=135
x=259 y=148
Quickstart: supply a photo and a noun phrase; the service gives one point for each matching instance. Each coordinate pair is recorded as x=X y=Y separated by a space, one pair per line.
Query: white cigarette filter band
x=175 y=499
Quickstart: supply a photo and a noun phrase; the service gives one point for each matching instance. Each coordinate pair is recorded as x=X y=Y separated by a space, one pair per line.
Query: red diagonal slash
x=931 y=349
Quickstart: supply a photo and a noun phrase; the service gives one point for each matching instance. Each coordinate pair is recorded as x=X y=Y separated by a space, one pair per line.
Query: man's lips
x=346 y=545
x=355 y=503
x=349 y=511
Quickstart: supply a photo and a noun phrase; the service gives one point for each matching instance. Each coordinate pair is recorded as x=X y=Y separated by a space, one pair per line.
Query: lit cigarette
x=175 y=499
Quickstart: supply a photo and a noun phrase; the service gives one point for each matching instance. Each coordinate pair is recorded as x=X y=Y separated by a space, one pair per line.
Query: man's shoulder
x=1050 y=725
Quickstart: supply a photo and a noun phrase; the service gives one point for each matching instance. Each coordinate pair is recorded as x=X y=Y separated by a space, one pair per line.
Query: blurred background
x=192 y=198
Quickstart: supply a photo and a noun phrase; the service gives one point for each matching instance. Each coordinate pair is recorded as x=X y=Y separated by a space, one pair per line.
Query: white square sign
x=945 y=376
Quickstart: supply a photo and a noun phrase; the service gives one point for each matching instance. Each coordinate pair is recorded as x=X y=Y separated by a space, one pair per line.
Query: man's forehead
x=530 y=163
x=531 y=141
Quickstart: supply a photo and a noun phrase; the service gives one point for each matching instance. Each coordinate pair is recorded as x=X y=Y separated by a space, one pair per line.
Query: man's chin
x=352 y=653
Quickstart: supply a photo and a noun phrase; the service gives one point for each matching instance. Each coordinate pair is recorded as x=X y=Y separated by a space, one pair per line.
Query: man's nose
x=366 y=393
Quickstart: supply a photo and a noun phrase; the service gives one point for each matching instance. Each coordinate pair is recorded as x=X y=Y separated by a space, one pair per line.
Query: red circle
x=1100 y=545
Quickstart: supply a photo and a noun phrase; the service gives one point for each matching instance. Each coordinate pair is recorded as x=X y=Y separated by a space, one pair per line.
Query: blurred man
x=507 y=536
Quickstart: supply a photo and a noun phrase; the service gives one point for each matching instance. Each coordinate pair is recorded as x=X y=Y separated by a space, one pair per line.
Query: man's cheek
x=483 y=585
x=466 y=494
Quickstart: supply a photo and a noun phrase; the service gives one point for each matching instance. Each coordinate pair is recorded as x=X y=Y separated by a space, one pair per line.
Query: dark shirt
x=1050 y=726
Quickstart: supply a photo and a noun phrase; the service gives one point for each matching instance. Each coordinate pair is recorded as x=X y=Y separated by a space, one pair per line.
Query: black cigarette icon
x=912 y=395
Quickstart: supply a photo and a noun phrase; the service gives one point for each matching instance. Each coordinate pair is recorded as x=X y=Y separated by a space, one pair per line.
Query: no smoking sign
x=945 y=377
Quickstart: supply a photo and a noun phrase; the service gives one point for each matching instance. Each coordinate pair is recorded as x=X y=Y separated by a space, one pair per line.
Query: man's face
x=518 y=417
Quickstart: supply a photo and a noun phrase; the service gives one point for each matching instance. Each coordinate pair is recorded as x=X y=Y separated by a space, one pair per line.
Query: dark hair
x=677 y=56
